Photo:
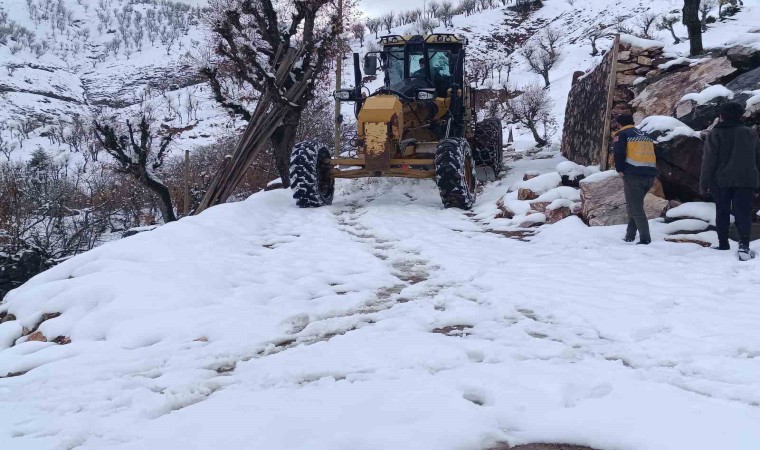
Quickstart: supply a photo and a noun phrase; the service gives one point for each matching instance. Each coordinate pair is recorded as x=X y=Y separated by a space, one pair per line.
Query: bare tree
x=532 y=109
x=252 y=39
x=358 y=29
x=446 y=12
x=543 y=54
x=468 y=6
x=694 y=26
x=388 y=20
x=667 y=22
x=705 y=6
x=432 y=9
x=621 y=26
x=374 y=26
x=645 y=22
x=427 y=25
x=139 y=158
x=593 y=34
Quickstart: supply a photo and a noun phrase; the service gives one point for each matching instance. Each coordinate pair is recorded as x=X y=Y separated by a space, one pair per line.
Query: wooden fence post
x=605 y=156
x=186 y=182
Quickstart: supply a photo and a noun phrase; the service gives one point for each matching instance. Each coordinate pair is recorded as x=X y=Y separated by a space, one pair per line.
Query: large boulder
x=700 y=117
x=603 y=201
x=679 y=162
x=18 y=267
x=743 y=58
x=661 y=97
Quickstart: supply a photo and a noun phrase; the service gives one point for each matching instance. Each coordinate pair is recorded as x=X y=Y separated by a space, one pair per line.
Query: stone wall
x=586 y=110
x=584 y=128
x=635 y=65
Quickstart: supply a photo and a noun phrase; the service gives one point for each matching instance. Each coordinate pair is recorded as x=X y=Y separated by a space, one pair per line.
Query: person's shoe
x=629 y=239
x=745 y=254
x=723 y=246
x=643 y=242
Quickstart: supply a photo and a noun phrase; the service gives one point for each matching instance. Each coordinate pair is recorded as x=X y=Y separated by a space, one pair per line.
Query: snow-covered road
x=384 y=322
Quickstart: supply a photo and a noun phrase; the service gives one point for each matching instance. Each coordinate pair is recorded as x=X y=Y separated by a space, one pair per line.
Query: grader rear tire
x=310 y=178
x=455 y=173
x=489 y=149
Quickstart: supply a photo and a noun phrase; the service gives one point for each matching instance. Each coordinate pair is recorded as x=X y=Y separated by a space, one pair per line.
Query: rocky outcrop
x=603 y=202
x=555 y=214
x=663 y=96
x=743 y=58
x=17 y=268
x=679 y=163
x=526 y=194
x=123 y=89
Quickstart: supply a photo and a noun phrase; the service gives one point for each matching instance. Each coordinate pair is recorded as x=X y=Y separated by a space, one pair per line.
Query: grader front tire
x=455 y=173
x=313 y=185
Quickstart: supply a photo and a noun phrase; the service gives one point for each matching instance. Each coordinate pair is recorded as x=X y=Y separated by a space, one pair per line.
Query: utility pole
x=338 y=76
x=186 y=183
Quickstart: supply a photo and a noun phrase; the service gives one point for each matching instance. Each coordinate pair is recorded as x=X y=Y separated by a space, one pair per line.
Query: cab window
x=395 y=65
x=416 y=68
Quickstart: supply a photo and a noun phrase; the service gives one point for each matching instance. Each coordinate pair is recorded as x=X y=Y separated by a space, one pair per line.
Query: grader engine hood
x=380 y=121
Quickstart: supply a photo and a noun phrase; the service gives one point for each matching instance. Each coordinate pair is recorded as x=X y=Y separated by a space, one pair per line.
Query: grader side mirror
x=370 y=65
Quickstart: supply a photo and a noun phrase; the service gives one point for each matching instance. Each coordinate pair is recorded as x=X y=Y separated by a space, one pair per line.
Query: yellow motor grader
x=419 y=124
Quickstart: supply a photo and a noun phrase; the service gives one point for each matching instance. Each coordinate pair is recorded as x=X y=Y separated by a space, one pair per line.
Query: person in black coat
x=731 y=174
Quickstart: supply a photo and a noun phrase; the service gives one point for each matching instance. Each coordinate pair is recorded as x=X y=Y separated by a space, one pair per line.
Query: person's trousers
x=739 y=202
x=636 y=188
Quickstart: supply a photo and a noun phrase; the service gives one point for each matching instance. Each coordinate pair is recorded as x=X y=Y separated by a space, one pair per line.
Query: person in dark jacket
x=731 y=174
x=635 y=161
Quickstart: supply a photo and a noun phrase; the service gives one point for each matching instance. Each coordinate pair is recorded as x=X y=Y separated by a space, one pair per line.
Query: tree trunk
x=546 y=78
x=540 y=142
x=283 y=141
x=693 y=25
x=673 y=33
x=162 y=192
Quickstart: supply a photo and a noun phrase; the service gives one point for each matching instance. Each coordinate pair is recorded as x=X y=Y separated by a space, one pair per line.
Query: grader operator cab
x=419 y=124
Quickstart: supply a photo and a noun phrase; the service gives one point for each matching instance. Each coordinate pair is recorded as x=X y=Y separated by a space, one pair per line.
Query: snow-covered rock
x=603 y=201
x=666 y=127
x=709 y=94
x=703 y=211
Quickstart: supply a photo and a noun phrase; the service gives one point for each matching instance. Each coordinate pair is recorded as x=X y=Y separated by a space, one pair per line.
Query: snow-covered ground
x=384 y=322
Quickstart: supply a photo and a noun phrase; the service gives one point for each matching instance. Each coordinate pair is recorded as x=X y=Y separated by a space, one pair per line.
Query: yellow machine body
x=394 y=138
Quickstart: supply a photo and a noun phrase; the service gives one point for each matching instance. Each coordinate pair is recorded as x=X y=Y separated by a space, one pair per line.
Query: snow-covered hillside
x=384 y=322
x=500 y=33
x=67 y=62
x=89 y=58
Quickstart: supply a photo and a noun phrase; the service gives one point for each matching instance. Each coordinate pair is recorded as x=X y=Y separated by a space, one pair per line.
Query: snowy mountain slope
x=86 y=66
x=496 y=34
x=383 y=321
x=88 y=58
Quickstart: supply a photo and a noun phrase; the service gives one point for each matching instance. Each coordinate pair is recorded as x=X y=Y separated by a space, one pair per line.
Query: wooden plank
x=413 y=162
x=267 y=116
x=605 y=155
x=400 y=173
x=394 y=162
x=347 y=161
x=411 y=173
